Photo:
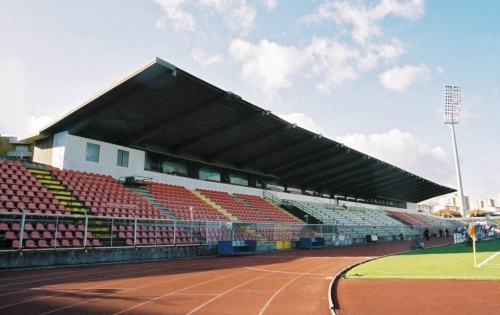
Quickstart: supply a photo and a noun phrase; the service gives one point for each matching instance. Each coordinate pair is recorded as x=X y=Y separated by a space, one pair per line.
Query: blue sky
x=370 y=74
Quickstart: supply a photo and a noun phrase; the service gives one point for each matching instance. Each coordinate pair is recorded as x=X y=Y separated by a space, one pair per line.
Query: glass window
x=238 y=179
x=92 y=154
x=209 y=174
x=122 y=159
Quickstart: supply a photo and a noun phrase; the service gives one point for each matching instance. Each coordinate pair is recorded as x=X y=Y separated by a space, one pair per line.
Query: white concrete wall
x=75 y=151
x=59 y=148
x=43 y=156
x=69 y=152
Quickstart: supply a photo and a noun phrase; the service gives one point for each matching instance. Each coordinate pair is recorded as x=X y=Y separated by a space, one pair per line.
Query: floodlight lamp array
x=452 y=99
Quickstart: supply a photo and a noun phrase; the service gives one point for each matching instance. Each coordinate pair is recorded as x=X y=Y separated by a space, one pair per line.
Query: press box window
x=122 y=158
x=92 y=154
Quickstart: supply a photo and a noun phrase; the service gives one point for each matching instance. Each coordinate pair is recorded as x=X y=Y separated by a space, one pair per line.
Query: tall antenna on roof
x=452 y=99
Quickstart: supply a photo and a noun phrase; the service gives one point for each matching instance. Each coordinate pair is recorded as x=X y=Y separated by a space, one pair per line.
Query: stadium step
x=37 y=171
x=146 y=194
x=60 y=192
x=216 y=206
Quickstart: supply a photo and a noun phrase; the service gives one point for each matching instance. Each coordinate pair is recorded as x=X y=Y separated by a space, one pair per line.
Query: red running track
x=288 y=282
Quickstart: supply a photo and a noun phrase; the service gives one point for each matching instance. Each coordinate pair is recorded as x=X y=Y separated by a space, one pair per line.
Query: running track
x=285 y=282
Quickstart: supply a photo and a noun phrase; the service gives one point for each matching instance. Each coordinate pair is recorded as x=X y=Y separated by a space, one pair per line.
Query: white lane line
x=290 y=272
x=283 y=287
x=175 y=292
x=493 y=256
x=84 y=289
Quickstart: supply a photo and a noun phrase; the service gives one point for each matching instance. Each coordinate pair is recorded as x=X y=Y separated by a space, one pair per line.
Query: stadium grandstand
x=162 y=164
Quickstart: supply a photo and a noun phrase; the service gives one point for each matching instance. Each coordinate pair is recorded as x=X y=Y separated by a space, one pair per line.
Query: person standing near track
x=427 y=234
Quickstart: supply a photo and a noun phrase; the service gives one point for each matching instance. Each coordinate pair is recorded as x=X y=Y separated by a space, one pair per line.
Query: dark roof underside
x=164 y=109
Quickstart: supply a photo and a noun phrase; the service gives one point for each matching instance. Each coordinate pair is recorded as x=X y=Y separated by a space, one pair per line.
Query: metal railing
x=29 y=231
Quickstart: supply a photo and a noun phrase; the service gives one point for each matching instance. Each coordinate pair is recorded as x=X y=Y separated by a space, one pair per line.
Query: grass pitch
x=454 y=261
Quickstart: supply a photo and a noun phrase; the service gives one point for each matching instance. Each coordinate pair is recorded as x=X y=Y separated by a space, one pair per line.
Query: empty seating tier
x=20 y=191
x=180 y=201
x=240 y=210
x=105 y=196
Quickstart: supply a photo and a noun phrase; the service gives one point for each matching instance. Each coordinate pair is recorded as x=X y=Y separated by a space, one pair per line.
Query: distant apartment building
x=482 y=203
x=425 y=208
x=9 y=146
x=451 y=202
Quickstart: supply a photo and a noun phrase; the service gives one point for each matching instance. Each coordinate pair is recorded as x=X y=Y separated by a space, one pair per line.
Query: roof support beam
x=350 y=173
x=424 y=188
x=331 y=169
x=256 y=158
x=377 y=177
x=183 y=146
x=113 y=103
x=362 y=178
x=429 y=193
x=217 y=155
x=303 y=159
x=380 y=177
x=82 y=122
x=156 y=127
x=338 y=174
x=393 y=185
x=401 y=191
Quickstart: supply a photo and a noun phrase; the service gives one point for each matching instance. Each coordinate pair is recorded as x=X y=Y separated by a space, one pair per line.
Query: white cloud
x=236 y=14
x=333 y=60
x=12 y=87
x=270 y=67
x=403 y=150
x=36 y=123
x=266 y=66
x=179 y=19
x=203 y=59
x=303 y=121
x=270 y=4
x=400 y=78
x=365 y=20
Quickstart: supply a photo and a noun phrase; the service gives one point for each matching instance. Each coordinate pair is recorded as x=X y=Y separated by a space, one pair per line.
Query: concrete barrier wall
x=66 y=257
x=45 y=258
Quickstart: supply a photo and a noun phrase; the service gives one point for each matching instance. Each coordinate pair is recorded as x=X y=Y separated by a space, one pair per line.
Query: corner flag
x=472 y=234
x=472 y=230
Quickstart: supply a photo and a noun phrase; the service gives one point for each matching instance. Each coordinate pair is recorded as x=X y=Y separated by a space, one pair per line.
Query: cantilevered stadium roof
x=164 y=109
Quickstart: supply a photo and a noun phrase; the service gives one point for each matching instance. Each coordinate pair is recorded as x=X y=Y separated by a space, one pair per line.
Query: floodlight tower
x=452 y=99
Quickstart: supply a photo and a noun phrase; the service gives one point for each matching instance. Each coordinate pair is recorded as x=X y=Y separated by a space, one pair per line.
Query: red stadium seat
x=4 y=227
x=30 y=244
x=10 y=235
x=28 y=227
x=35 y=235
x=43 y=244
x=47 y=235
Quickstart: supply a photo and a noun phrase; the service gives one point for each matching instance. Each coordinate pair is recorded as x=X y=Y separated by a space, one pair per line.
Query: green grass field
x=445 y=262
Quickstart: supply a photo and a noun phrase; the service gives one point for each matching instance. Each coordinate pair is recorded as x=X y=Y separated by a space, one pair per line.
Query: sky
x=369 y=74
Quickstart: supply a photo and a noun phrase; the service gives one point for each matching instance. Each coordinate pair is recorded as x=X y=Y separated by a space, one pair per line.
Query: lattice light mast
x=452 y=99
